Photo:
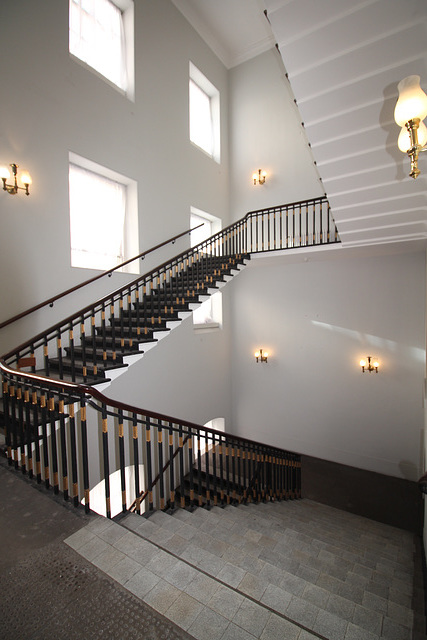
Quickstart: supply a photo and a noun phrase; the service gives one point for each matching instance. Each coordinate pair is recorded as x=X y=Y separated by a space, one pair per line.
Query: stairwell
x=294 y=570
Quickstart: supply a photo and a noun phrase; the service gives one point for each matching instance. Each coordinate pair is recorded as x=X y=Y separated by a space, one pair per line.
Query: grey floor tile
x=401 y=615
x=202 y=588
x=368 y=619
x=316 y=595
x=357 y=633
x=208 y=625
x=374 y=602
x=278 y=628
x=329 y=625
x=253 y=586
x=141 y=582
x=231 y=575
x=184 y=610
x=293 y=584
x=233 y=632
x=108 y=558
x=226 y=602
x=276 y=598
x=251 y=617
x=302 y=612
x=393 y=631
x=340 y=607
x=162 y=596
x=123 y=570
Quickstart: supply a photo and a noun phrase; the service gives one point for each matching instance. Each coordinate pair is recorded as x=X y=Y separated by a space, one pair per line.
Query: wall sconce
x=13 y=188
x=260 y=356
x=369 y=366
x=259 y=178
x=409 y=113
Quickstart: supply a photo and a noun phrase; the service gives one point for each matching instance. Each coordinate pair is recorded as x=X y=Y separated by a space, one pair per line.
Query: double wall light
x=409 y=113
x=369 y=364
x=259 y=178
x=13 y=188
x=261 y=356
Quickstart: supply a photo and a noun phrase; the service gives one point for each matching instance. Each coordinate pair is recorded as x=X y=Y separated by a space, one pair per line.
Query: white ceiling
x=344 y=59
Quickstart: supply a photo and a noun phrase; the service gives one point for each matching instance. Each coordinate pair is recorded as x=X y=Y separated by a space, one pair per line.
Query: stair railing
x=72 y=438
x=108 y=272
x=41 y=412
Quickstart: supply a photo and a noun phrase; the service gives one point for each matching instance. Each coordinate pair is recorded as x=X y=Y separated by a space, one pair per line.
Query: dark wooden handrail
x=83 y=390
x=108 y=272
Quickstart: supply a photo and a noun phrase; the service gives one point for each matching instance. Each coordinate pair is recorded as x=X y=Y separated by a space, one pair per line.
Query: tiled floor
x=295 y=570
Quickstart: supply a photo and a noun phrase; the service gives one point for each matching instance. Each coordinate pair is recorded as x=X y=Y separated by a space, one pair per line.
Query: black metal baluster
x=35 y=422
x=85 y=457
x=54 y=445
x=171 y=469
x=73 y=452
x=136 y=464
x=93 y=335
x=71 y=348
x=83 y=343
x=214 y=471
x=63 y=441
x=43 y=410
x=221 y=468
x=191 y=467
x=20 y=425
x=122 y=459
x=160 y=460
x=106 y=460
x=181 y=465
x=227 y=472
x=149 y=464
x=59 y=353
x=46 y=356
x=8 y=419
x=199 y=471
x=207 y=471
x=28 y=439
x=233 y=467
x=113 y=330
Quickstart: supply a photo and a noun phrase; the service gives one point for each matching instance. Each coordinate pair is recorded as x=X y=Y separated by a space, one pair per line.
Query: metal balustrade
x=57 y=423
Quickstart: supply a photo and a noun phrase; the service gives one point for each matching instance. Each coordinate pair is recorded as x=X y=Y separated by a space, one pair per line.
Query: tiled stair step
x=266 y=556
x=78 y=366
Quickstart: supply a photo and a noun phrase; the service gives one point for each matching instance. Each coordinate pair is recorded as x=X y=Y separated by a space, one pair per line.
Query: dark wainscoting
x=383 y=498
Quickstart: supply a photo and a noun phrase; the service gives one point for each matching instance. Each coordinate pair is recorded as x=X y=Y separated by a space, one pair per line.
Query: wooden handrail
x=108 y=272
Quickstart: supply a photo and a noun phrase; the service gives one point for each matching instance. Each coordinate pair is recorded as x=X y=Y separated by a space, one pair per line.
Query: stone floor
x=290 y=571
x=296 y=570
x=50 y=592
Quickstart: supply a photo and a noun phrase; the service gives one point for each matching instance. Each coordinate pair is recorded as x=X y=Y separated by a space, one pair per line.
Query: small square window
x=204 y=113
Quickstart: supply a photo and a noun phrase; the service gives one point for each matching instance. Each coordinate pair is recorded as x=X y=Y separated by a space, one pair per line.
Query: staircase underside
x=276 y=570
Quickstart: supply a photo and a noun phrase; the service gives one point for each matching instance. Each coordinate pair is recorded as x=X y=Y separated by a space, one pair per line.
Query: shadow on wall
x=386 y=499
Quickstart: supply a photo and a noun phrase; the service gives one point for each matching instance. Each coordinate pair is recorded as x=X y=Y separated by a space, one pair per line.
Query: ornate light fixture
x=372 y=364
x=409 y=113
x=25 y=178
x=259 y=178
x=260 y=356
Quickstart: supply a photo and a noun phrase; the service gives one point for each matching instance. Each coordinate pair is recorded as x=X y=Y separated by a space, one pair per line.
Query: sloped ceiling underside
x=344 y=59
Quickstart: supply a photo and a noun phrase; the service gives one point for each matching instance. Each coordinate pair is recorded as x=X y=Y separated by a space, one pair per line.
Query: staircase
x=294 y=570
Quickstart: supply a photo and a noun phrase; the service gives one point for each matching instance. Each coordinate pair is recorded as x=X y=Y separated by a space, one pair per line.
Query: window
x=204 y=113
x=101 y=35
x=210 y=311
x=103 y=222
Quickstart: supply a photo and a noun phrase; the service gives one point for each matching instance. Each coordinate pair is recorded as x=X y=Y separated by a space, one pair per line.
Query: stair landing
x=296 y=570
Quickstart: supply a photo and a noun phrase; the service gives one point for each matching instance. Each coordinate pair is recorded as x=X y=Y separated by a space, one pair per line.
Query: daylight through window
x=97 y=36
x=97 y=218
x=204 y=113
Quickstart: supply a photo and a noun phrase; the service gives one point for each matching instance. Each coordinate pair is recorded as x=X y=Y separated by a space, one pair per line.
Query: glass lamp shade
x=4 y=173
x=412 y=102
x=25 y=178
x=404 y=140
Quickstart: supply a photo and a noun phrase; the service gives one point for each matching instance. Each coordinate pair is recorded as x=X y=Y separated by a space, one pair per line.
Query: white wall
x=266 y=133
x=52 y=105
x=317 y=319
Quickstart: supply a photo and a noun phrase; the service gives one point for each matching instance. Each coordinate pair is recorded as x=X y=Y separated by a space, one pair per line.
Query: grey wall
x=52 y=105
x=317 y=318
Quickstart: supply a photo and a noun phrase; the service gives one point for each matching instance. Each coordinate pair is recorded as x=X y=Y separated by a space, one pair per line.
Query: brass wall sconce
x=369 y=364
x=25 y=178
x=261 y=356
x=409 y=113
x=259 y=178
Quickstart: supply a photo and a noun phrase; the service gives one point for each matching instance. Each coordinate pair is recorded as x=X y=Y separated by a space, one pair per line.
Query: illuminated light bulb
x=412 y=102
x=256 y=354
x=26 y=178
x=376 y=364
x=363 y=363
x=4 y=173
